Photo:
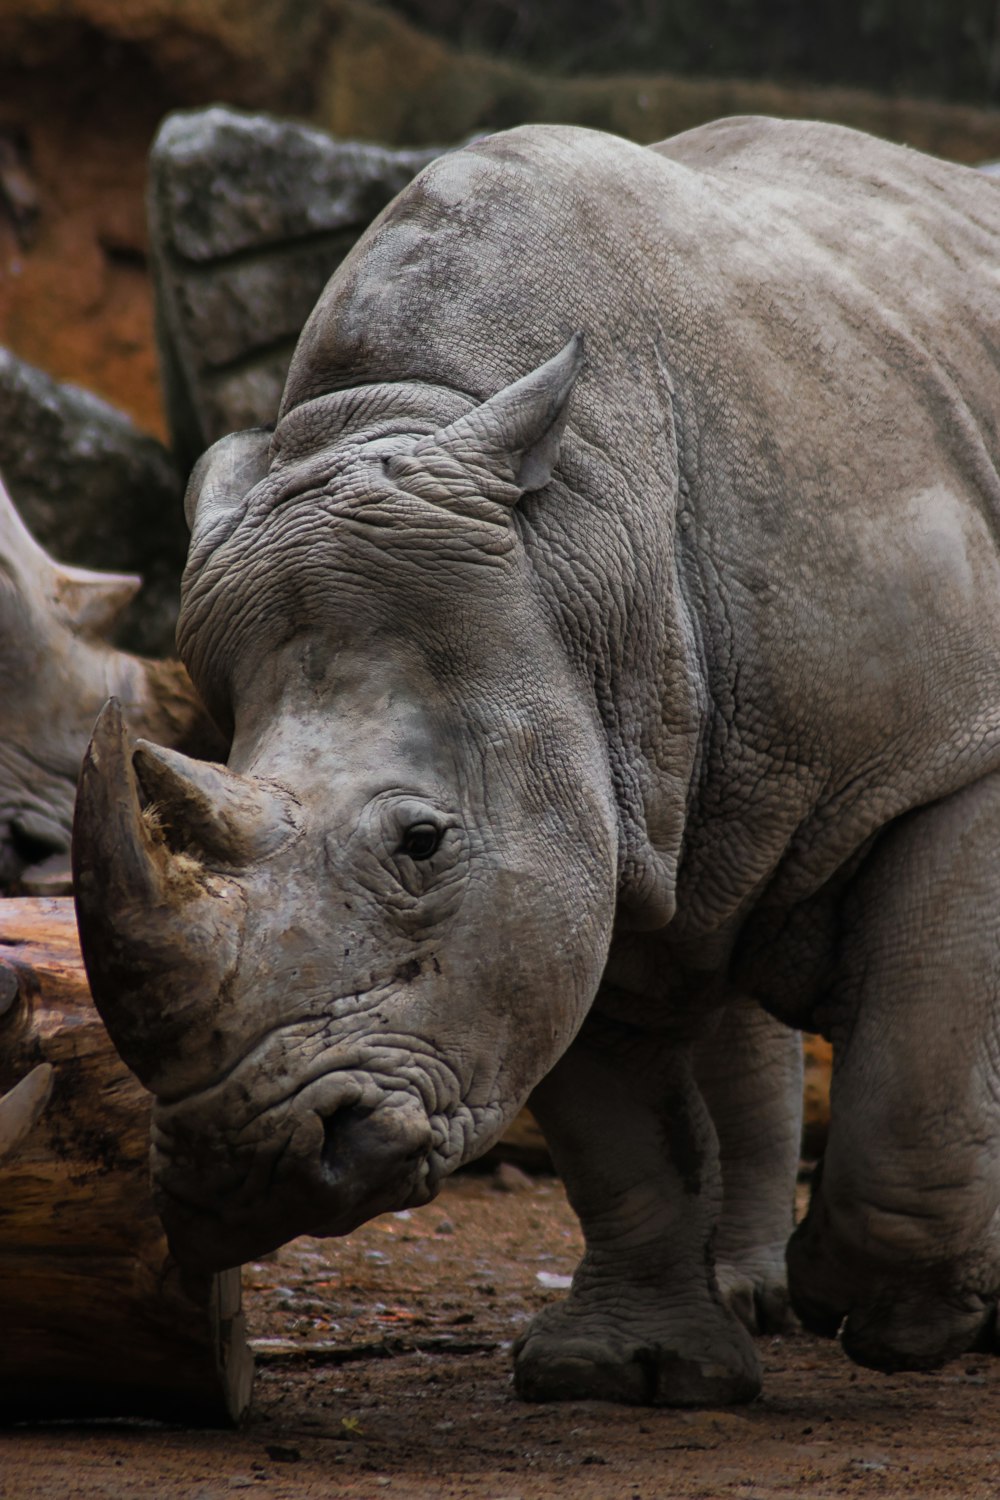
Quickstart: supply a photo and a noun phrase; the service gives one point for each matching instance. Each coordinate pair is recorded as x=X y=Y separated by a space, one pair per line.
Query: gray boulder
x=96 y=492
x=249 y=217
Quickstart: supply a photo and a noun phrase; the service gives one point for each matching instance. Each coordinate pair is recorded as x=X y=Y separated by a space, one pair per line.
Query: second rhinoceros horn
x=159 y=922
x=211 y=812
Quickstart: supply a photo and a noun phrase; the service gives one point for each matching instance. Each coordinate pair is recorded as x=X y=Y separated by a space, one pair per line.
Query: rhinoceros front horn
x=159 y=921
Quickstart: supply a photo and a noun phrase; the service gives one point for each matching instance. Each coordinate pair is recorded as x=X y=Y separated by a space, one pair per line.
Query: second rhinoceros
x=57 y=667
x=608 y=634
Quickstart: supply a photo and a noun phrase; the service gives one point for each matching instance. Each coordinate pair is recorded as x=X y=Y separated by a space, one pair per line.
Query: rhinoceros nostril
x=365 y=1147
x=344 y=1134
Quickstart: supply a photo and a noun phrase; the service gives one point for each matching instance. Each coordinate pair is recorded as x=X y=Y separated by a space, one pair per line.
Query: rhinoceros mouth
x=244 y=1224
x=243 y=1228
x=341 y=1151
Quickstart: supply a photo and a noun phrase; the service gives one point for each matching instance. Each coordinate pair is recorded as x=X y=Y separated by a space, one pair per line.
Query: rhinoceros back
x=790 y=407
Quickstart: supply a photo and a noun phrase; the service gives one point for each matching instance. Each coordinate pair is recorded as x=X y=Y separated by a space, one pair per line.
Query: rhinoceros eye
x=420 y=840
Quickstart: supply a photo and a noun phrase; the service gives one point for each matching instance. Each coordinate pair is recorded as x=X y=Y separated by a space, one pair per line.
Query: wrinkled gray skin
x=678 y=648
x=57 y=668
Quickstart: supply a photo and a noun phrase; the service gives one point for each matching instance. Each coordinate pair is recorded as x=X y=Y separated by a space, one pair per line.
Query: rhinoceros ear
x=225 y=474
x=515 y=435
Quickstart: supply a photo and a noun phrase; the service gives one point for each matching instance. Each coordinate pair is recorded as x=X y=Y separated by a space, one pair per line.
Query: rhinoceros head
x=57 y=667
x=342 y=962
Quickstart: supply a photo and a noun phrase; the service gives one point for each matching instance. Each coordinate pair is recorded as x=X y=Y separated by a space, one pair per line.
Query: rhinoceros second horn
x=209 y=810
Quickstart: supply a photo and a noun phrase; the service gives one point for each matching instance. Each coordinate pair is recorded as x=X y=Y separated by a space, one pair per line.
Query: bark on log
x=96 y=1319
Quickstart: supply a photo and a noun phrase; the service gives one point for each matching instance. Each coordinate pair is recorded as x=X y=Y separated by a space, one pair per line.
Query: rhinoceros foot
x=755 y=1289
x=647 y=1357
x=918 y=1327
x=909 y=1316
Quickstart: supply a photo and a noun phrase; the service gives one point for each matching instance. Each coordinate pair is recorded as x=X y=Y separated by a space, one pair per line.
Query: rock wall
x=944 y=49
x=85 y=83
x=95 y=492
x=249 y=217
x=384 y=80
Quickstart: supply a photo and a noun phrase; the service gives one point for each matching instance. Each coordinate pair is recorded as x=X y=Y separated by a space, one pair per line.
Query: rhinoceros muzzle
x=321 y=1174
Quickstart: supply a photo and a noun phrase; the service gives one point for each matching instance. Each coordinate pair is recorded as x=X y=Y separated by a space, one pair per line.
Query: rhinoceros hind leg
x=756 y=1292
x=900 y=1251
x=819 y=1285
x=891 y=1319
x=749 y=1072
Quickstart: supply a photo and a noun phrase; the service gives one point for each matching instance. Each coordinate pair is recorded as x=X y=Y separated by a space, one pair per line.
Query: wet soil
x=384 y=1369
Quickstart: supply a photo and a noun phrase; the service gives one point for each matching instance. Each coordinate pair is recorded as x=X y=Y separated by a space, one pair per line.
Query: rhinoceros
x=57 y=668
x=608 y=637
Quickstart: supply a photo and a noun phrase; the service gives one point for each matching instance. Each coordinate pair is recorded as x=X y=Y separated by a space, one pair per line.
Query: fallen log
x=97 y=1320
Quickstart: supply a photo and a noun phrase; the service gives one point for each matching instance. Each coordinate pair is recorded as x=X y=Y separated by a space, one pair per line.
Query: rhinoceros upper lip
x=340 y=1072
x=266 y=1039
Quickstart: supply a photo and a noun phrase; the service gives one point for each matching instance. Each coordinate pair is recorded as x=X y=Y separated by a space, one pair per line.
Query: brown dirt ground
x=384 y=1369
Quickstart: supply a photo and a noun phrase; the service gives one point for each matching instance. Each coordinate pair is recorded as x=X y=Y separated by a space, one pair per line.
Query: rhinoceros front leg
x=644 y=1321
x=749 y=1072
x=901 y=1246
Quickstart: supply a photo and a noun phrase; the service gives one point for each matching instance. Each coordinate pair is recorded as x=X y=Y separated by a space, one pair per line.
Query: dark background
x=946 y=48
